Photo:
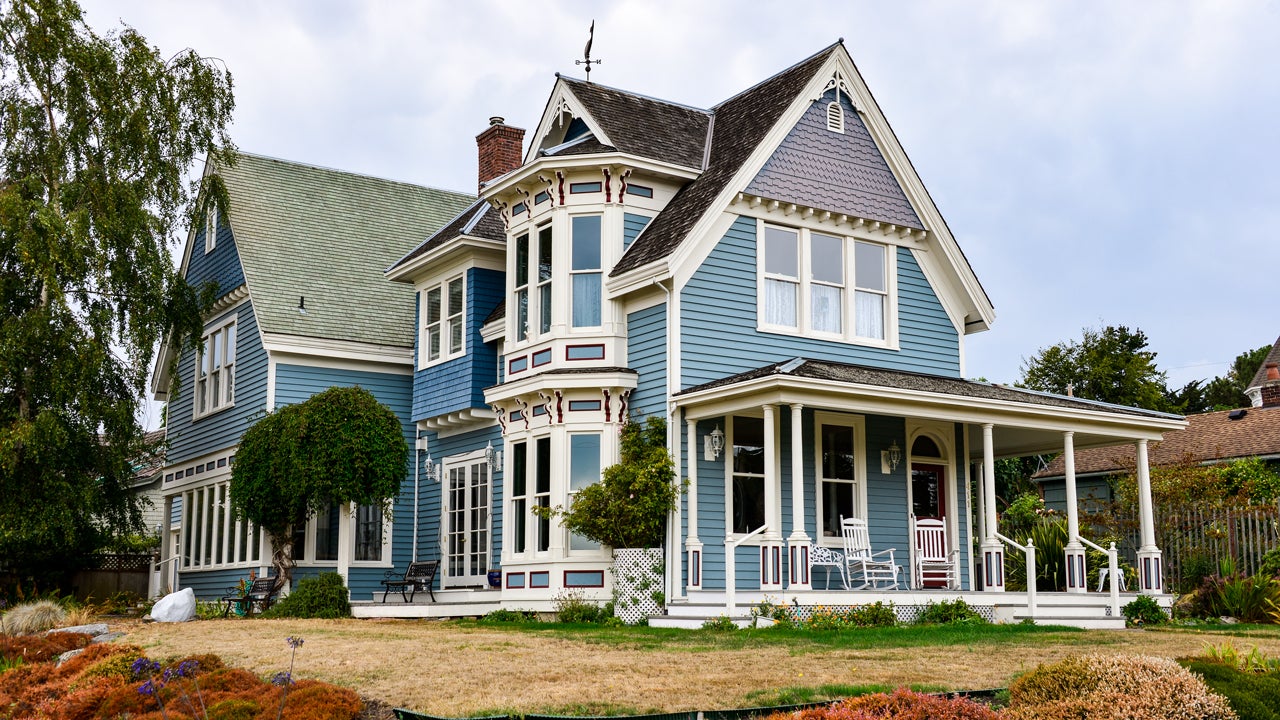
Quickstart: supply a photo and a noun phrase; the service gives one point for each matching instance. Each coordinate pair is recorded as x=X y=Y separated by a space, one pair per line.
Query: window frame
x=224 y=377
x=211 y=223
x=353 y=537
x=597 y=272
x=223 y=535
x=730 y=475
x=587 y=546
x=443 y=326
x=848 y=288
x=858 y=424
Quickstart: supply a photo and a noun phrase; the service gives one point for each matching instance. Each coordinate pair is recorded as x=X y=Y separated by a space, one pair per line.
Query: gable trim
x=563 y=101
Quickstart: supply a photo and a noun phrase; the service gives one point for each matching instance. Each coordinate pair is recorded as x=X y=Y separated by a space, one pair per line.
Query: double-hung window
x=841 y=471
x=585 y=271
x=443 y=321
x=584 y=470
x=215 y=369
x=825 y=285
x=544 y=279
x=530 y=488
x=522 y=287
x=748 y=489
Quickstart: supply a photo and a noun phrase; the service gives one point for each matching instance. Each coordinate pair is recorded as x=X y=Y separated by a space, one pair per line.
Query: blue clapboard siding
x=192 y=438
x=632 y=224
x=647 y=355
x=431 y=494
x=718 y=310
x=222 y=266
x=1089 y=492
x=459 y=384
x=211 y=584
x=296 y=383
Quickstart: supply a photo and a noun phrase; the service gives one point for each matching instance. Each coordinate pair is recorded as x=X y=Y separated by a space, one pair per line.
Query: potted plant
x=627 y=511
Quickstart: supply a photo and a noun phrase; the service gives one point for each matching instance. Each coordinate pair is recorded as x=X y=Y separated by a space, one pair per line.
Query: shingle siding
x=647 y=355
x=718 y=310
x=190 y=438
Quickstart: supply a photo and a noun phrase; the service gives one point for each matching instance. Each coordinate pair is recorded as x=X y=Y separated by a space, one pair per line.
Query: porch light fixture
x=895 y=456
x=714 y=444
x=491 y=456
x=432 y=475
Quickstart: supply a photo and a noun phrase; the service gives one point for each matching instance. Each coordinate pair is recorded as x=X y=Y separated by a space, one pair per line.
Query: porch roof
x=1026 y=421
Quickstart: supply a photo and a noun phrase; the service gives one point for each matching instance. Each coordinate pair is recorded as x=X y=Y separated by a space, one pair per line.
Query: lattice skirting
x=906 y=614
x=637 y=582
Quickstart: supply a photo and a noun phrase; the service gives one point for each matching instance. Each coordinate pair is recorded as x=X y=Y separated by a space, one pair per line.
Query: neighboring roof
x=1209 y=437
x=644 y=126
x=1260 y=377
x=478 y=220
x=740 y=125
x=863 y=375
x=326 y=235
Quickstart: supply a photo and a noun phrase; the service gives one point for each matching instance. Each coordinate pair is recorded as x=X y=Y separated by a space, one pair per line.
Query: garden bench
x=418 y=576
x=261 y=592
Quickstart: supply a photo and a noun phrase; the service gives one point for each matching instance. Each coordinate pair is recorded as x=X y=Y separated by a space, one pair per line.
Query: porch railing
x=1113 y=565
x=1030 y=551
x=730 y=571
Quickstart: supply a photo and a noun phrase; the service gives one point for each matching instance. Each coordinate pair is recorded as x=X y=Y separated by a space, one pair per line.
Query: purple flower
x=294 y=642
x=188 y=668
x=149 y=687
x=143 y=666
x=282 y=678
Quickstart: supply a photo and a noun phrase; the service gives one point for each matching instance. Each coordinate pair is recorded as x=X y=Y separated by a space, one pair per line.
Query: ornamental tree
x=97 y=137
x=340 y=446
x=1110 y=365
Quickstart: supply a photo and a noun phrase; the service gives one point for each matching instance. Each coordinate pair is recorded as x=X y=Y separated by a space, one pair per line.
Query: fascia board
x=542 y=165
x=636 y=279
x=493 y=331
x=877 y=399
x=408 y=272
x=558 y=381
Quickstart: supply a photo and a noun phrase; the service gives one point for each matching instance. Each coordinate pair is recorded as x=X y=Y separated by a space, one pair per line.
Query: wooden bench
x=419 y=576
x=262 y=592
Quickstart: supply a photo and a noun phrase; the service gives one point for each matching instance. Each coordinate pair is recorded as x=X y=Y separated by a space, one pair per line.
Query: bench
x=261 y=592
x=419 y=576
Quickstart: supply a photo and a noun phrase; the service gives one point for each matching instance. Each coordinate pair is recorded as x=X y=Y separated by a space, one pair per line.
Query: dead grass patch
x=455 y=670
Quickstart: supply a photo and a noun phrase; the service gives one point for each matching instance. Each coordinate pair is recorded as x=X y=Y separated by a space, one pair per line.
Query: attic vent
x=1237 y=414
x=835 y=117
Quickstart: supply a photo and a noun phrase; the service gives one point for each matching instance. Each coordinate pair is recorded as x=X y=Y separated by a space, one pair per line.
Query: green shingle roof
x=326 y=236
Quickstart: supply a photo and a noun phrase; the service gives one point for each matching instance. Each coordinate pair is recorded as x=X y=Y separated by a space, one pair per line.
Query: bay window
x=584 y=470
x=442 y=317
x=530 y=488
x=822 y=284
x=215 y=370
x=585 y=270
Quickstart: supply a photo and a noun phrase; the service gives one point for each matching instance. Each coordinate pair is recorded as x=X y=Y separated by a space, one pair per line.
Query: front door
x=466 y=523
x=927 y=489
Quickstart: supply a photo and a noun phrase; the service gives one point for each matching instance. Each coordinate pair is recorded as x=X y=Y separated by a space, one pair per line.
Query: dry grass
x=454 y=670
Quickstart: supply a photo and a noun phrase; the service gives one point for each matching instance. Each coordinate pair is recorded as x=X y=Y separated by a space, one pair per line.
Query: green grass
x=801 y=641
x=800 y=694
x=588 y=709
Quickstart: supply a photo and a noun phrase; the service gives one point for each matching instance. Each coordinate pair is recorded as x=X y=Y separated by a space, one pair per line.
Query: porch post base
x=693 y=564
x=1150 y=571
x=771 y=564
x=798 y=562
x=1077 y=572
x=993 y=566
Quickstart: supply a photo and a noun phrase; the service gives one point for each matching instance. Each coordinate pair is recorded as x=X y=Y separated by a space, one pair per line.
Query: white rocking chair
x=932 y=561
x=872 y=567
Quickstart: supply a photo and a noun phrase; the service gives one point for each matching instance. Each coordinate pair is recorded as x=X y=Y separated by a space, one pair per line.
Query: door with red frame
x=928 y=488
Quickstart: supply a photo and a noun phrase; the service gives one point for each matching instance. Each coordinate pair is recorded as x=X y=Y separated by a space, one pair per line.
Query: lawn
x=460 y=668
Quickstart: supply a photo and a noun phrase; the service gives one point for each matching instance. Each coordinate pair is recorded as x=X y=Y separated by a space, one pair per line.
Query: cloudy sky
x=1100 y=163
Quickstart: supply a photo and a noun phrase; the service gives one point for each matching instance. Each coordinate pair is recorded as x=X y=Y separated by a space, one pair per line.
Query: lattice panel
x=906 y=614
x=637 y=583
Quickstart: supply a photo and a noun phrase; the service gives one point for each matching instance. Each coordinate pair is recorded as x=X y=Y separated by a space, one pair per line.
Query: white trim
x=327 y=349
x=464 y=461
x=858 y=423
x=562 y=381
x=487 y=254
x=445 y=322
x=943 y=435
x=562 y=101
x=618 y=162
x=350 y=542
x=230 y=323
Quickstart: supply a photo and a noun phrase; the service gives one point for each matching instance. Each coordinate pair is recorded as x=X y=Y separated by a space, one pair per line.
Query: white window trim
x=210 y=228
x=530 y=496
x=228 y=535
x=727 y=456
x=445 y=322
x=859 y=425
x=943 y=435
x=848 y=321
x=229 y=369
x=462 y=460
x=349 y=541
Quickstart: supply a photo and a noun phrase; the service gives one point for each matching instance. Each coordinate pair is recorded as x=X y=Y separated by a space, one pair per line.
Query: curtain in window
x=586 y=300
x=825 y=303
x=870 y=315
x=780 y=302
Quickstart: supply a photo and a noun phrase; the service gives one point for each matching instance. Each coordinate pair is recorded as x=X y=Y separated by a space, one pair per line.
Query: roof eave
x=409 y=271
x=506 y=183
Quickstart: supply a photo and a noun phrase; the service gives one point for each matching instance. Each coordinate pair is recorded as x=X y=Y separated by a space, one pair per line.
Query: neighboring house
x=1209 y=438
x=298 y=259
x=1254 y=391
x=769 y=274
x=146 y=484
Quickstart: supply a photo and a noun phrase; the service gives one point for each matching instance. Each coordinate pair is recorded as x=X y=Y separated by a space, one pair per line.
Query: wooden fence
x=104 y=575
x=1196 y=538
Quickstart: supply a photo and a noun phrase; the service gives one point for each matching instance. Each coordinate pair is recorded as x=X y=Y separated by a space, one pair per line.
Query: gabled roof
x=1209 y=437
x=937 y=384
x=478 y=220
x=326 y=235
x=739 y=126
x=644 y=126
x=1260 y=377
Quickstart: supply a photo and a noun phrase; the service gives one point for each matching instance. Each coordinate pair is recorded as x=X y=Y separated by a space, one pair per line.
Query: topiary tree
x=340 y=446
x=628 y=508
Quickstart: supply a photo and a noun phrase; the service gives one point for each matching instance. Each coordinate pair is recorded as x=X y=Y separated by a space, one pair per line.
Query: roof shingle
x=644 y=126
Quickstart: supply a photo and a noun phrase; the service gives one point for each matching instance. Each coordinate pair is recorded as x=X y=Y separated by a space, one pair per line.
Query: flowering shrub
x=902 y=704
x=954 y=612
x=877 y=614
x=1117 y=687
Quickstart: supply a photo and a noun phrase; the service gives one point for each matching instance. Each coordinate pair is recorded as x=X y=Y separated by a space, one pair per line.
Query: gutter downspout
x=671 y=586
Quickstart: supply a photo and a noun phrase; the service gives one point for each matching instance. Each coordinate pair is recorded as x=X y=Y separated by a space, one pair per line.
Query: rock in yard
x=106 y=637
x=90 y=629
x=175 y=607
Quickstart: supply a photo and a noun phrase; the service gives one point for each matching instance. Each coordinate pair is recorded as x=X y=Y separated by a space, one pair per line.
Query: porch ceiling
x=1025 y=422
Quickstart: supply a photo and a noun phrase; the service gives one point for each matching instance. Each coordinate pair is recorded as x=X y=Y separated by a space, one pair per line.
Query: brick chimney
x=499 y=148
x=1271 y=386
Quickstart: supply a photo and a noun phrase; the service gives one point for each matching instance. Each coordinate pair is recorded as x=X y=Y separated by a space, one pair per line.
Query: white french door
x=466 y=522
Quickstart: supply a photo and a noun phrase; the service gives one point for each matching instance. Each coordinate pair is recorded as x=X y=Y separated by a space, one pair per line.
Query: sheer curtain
x=780 y=302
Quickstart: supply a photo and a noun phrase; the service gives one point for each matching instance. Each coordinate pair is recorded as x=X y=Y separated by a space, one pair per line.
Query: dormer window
x=835 y=117
x=442 y=317
x=210 y=228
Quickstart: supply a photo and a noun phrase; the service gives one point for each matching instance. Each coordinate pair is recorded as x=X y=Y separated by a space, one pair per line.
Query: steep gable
x=644 y=126
x=841 y=171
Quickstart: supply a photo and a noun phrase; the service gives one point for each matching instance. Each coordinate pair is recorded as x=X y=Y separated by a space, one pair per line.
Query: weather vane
x=591 y=34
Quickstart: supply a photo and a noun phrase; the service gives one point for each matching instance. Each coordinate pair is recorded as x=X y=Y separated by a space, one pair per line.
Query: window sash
x=215 y=370
x=748 y=485
x=211 y=535
x=584 y=470
x=368 y=534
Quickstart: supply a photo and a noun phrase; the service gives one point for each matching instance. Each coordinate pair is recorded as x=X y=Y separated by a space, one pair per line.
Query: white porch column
x=798 y=541
x=1150 y=572
x=992 y=549
x=771 y=539
x=693 y=546
x=1077 y=573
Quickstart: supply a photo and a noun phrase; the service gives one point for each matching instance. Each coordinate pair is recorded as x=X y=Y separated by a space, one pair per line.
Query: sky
x=1099 y=163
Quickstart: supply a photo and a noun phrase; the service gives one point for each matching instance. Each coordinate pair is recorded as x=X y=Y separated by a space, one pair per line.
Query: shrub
x=876 y=614
x=902 y=704
x=1144 y=610
x=310 y=699
x=116 y=666
x=509 y=616
x=954 y=612
x=1196 y=567
x=41 y=648
x=1253 y=696
x=1270 y=565
x=1248 y=598
x=33 y=617
x=323 y=596
x=572 y=607
x=1254 y=661
x=720 y=624
x=234 y=709
x=1115 y=687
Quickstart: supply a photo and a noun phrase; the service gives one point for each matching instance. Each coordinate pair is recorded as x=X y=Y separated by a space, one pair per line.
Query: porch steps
x=448 y=604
